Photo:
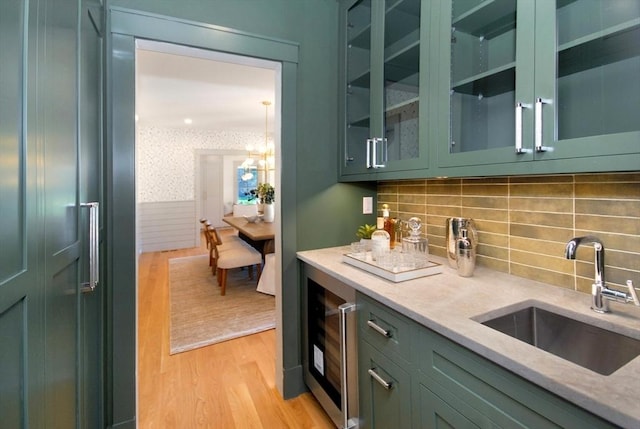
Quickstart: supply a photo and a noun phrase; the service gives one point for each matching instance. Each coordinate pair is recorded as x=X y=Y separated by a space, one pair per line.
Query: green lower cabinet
x=486 y=394
x=385 y=391
x=412 y=377
x=436 y=413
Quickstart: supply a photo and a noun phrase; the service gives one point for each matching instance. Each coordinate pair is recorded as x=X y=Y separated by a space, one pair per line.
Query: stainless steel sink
x=589 y=346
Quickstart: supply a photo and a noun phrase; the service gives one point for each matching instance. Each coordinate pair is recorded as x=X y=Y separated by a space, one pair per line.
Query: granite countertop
x=446 y=303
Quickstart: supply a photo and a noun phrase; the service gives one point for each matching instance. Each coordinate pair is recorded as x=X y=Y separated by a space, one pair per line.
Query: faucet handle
x=632 y=292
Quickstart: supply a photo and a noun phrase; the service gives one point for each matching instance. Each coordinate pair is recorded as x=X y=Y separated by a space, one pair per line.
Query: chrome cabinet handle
x=538 y=126
x=372 y=152
x=388 y=385
x=343 y=310
x=519 y=107
x=94 y=248
x=373 y=325
x=383 y=143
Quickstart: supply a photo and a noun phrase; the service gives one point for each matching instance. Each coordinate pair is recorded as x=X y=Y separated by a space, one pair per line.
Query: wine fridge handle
x=94 y=247
x=345 y=309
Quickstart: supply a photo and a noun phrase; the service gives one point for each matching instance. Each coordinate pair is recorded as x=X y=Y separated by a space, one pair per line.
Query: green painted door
x=49 y=368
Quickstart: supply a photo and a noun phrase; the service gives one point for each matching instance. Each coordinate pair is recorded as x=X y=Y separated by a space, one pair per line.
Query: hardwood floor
x=226 y=385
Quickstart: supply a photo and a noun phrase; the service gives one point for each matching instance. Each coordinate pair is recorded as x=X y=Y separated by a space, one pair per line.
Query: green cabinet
x=384 y=367
x=383 y=82
x=412 y=377
x=537 y=86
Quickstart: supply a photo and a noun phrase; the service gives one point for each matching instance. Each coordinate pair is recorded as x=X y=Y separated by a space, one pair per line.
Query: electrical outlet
x=367 y=205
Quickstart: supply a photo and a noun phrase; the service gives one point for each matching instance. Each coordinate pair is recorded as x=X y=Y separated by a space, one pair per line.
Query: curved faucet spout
x=572 y=246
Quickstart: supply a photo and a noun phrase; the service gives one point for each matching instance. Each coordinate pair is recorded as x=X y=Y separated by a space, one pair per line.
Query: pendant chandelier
x=261 y=157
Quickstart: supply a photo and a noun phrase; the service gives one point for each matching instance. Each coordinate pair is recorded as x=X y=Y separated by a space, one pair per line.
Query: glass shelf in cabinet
x=490 y=83
x=401 y=19
x=488 y=19
x=593 y=52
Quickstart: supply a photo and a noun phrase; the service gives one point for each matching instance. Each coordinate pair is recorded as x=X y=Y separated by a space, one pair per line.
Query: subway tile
x=627 y=225
x=444 y=200
x=485 y=190
x=608 y=177
x=499 y=240
x=622 y=191
x=623 y=208
x=486 y=214
x=542 y=275
x=493 y=227
x=412 y=199
x=538 y=190
x=412 y=189
x=562 y=220
x=485 y=202
x=544 y=247
x=501 y=253
x=541 y=232
x=494 y=264
x=555 y=205
x=557 y=178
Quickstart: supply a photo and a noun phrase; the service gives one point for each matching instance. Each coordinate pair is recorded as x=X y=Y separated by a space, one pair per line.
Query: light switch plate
x=367 y=205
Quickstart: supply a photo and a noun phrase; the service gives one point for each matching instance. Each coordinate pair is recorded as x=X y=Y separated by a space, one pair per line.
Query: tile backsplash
x=524 y=222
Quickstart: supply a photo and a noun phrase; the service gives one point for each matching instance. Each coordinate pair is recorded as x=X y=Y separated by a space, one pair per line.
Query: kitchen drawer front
x=385 y=390
x=386 y=330
x=455 y=373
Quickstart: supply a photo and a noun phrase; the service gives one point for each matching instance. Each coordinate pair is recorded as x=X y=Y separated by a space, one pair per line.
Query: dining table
x=259 y=234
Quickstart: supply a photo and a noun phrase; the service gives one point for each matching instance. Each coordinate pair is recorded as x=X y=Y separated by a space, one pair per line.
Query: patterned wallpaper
x=166 y=160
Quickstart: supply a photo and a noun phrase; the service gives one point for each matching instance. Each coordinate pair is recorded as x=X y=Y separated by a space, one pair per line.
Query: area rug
x=201 y=317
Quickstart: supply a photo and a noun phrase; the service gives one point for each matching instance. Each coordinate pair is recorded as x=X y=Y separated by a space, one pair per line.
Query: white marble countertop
x=446 y=303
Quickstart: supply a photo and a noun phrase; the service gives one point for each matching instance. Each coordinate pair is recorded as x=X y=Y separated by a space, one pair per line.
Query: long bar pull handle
x=373 y=325
x=388 y=385
x=94 y=248
x=383 y=150
x=519 y=107
x=343 y=310
x=369 y=163
x=538 y=127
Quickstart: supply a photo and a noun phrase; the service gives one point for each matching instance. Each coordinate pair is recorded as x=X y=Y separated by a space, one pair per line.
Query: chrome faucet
x=600 y=293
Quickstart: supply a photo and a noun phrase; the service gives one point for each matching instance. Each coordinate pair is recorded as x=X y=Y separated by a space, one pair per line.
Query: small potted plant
x=266 y=194
x=364 y=233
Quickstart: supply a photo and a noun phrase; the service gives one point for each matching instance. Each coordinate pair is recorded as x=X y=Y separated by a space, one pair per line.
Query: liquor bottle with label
x=389 y=225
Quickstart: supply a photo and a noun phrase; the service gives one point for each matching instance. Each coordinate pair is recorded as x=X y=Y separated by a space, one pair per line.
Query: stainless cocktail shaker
x=461 y=239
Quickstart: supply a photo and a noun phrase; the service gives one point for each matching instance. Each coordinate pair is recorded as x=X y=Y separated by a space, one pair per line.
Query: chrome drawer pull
x=379 y=328
x=388 y=385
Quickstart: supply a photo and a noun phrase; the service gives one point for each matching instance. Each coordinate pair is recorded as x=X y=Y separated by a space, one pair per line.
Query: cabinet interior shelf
x=360 y=122
x=489 y=19
x=390 y=108
x=401 y=19
x=362 y=38
x=603 y=47
x=361 y=81
x=492 y=82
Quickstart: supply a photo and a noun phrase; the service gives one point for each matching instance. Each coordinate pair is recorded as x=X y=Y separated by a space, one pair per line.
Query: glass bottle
x=389 y=225
x=380 y=240
x=416 y=245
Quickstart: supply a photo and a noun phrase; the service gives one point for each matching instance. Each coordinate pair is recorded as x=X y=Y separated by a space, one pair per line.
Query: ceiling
x=217 y=91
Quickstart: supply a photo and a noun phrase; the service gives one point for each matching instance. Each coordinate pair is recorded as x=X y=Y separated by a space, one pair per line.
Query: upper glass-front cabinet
x=538 y=80
x=382 y=57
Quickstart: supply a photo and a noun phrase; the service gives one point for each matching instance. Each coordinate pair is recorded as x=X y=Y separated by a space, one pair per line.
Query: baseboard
x=293 y=382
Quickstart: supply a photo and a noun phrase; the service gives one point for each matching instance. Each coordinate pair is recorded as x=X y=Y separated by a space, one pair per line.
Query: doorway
x=126 y=27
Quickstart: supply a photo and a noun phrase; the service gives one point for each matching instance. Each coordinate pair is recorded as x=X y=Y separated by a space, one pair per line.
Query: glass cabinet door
x=382 y=67
x=401 y=75
x=591 y=76
x=482 y=75
x=358 y=84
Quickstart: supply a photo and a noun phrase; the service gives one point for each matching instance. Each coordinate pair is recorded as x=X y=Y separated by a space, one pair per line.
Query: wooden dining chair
x=235 y=257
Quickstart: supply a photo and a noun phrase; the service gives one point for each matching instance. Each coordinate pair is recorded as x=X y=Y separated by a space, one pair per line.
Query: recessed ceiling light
x=188 y=121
